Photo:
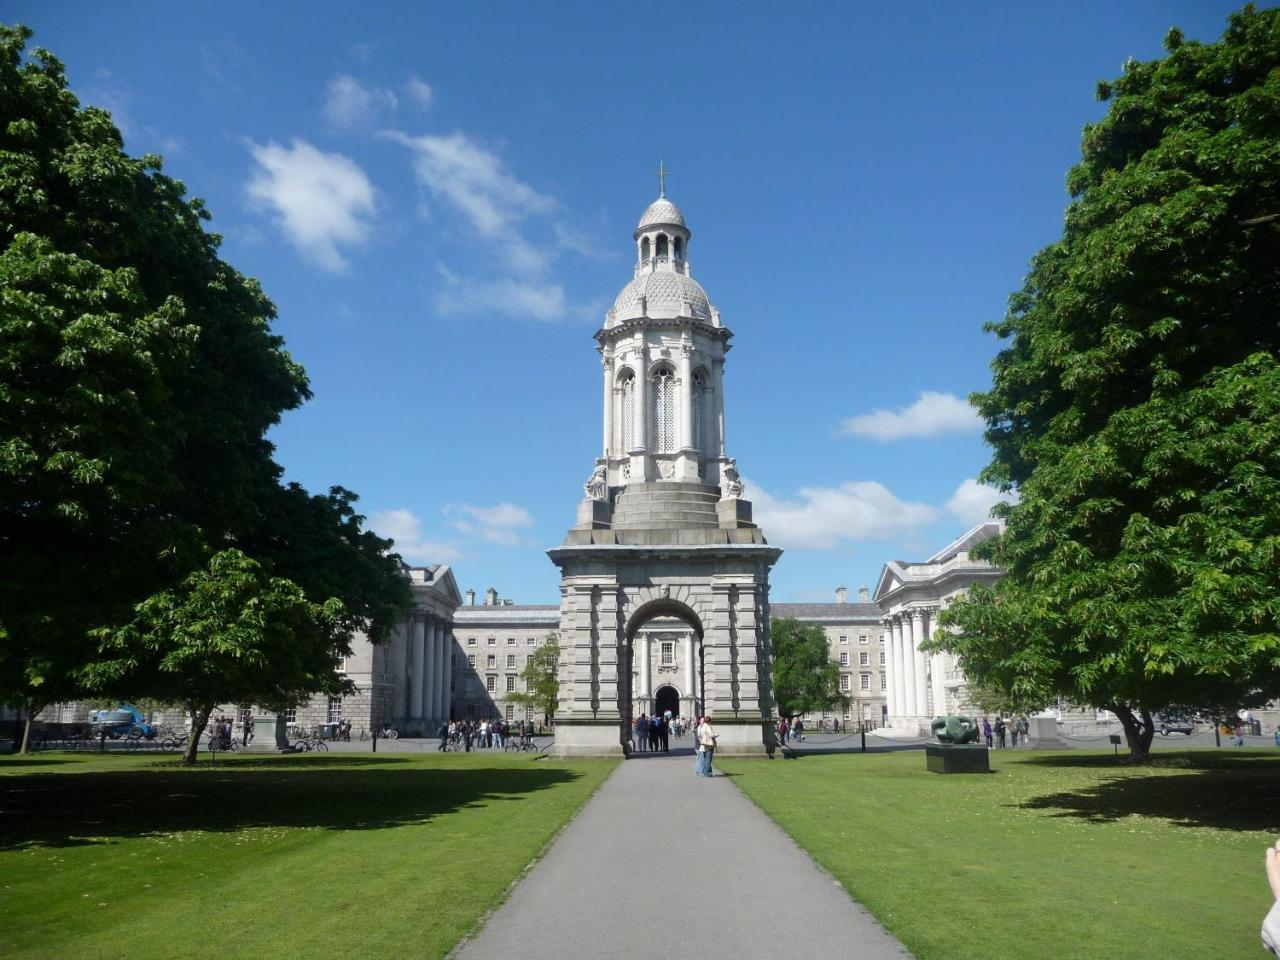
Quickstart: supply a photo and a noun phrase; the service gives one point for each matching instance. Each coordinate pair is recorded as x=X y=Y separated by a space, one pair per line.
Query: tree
x=1136 y=407
x=138 y=378
x=541 y=680
x=804 y=676
x=228 y=633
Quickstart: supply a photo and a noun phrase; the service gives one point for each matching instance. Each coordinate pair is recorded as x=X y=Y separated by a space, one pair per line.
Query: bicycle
x=389 y=733
x=222 y=744
x=173 y=744
x=522 y=744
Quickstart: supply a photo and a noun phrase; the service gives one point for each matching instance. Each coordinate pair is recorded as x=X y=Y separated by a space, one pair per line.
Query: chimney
x=842 y=594
x=471 y=598
x=864 y=594
x=491 y=597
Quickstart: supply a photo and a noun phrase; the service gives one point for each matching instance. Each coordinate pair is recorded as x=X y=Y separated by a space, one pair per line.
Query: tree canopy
x=541 y=679
x=804 y=675
x=1136 y=407
x=138 y=378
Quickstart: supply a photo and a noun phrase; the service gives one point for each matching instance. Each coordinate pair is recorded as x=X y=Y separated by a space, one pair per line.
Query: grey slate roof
x=826 y=611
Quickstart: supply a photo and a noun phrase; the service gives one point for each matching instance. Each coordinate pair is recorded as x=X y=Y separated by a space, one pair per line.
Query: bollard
x=375 y=739
x=864 y=739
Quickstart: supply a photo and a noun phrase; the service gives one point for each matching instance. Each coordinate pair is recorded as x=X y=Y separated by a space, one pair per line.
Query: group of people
x=706 y=736
x=220 y=729
x=482 y=734
x=792 y=730
x=342 y=729
x=999 y=733
x=651 y=734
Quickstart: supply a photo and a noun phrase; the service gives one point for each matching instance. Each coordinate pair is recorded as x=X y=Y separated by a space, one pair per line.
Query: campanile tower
x=664 y=530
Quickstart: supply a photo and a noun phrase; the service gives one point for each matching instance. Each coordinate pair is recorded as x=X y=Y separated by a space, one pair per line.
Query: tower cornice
x=625 y=329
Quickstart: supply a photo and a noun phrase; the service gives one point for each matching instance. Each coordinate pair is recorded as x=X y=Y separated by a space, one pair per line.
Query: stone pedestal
x=1042 y=734
x=579 y=738
x=734 y=513
x=744 y=739
x=594 y=515
x=957 y=758
x=270 y=733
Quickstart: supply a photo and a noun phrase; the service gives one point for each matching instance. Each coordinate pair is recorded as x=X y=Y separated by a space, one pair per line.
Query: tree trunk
x=32 y=709
x=1138 y=731
x=199 y=721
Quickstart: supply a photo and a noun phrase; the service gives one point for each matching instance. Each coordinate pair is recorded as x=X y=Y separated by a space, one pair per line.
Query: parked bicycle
x=389 y=733
x=221 y=743
x=314 y=742
x=173 y=744
x=520 y=744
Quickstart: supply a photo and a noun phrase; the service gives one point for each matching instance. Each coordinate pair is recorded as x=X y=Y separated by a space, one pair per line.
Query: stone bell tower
x=664 y=530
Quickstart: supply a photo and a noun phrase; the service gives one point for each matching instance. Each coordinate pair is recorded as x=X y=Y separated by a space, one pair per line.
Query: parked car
x=122 y=722
x=1173 y=723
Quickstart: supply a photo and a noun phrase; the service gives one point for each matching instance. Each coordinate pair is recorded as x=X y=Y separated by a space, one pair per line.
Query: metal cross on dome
x=662 y=180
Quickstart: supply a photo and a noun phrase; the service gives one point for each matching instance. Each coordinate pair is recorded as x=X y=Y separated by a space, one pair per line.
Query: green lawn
x=326 y=855
x=1064 y=856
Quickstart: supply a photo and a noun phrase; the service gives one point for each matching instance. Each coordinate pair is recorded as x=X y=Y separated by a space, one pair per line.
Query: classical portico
x=664 y=532
x=920 y=685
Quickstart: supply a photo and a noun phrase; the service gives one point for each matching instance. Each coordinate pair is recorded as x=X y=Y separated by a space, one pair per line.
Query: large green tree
x=138 y=378
x=1136 y=407
x=541 y=676
x=805 y=677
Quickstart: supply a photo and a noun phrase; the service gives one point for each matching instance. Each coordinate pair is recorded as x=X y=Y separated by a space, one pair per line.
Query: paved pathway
x=661 y=863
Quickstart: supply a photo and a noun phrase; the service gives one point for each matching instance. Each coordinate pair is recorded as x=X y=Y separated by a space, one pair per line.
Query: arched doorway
x=666 y=700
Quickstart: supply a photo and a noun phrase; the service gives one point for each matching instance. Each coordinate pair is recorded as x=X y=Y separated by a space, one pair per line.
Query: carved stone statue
x=955 y=729
x=730 y=484
x=597 y=487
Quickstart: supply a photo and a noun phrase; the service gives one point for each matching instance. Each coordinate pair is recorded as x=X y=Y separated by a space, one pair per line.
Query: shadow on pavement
x=365 y=793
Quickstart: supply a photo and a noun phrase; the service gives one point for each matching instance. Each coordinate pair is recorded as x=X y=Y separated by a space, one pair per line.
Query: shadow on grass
x=358 y=793
x=1223 y=791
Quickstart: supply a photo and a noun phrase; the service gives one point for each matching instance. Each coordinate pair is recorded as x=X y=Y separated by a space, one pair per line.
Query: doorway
x=666 y=700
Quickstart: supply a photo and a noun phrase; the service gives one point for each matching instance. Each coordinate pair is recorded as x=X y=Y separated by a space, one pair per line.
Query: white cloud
x=824 y=517
x=419 y=91
x=931 y=415
x=505 y=295
x=972 y=501
x=404 y=527
x=501 y=523
x=322 y=201
x=350 y=104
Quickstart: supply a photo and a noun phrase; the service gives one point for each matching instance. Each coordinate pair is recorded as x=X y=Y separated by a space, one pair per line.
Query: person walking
x=782 y=731
x=443 y=734
x=664 y=734
x=641 y=732
x=1000 y=732
x=707 y=739
x=797 y=730
x=1013 y=732
x=248 y=730
x=986 y=731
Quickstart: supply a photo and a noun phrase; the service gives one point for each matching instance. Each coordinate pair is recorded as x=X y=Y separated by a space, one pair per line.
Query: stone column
x=640 y=443
x=936 y=668
x=889 y=670
x=607 y=362
x=921 y=678
x=441 y=674
x=717 y=374
x=690 y=676
x=448 y=675
x=418 y=657
x=608 y=638
x=901 y=671
x=645 y=643
x=909 y=662
x=429 y=674
x=688 y=461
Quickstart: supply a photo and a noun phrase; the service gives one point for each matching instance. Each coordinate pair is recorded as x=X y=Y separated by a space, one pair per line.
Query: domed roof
x=661 y=211
x=664 y=294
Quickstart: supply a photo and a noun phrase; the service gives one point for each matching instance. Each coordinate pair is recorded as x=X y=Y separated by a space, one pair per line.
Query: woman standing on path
x=707 y=746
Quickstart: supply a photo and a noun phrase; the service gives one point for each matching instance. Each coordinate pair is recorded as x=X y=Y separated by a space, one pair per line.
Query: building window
x=844 y=658
x=882 y=658
x=668 y=653
x=342 y=664
x=493 y=641
x=491 y=683
x=866 y=682
x=511 y=641
x=511 y=684
x=662 y=410
x=699 y=416
x=471 y=660
x=844 y=681
x=531 y=642
x=511 y=711
x=844 y=638
x=882 y=681
x=511 y=661
x=491 y=661
x=335 y=709
x=628 y=411
x=846 y=713
x=862 y=638
x=864 y=659
x=291 y=715
x=471 y=641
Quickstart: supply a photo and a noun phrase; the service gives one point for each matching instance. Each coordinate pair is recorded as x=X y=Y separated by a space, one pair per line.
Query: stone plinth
x=734 y=513
x=957 y=758
x=1042 y=734
x=594 y=515
x=744 y=739
x=270 y=733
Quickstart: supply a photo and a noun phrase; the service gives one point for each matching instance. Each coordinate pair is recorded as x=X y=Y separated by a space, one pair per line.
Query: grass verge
x=1069 y=856
x=340 y=855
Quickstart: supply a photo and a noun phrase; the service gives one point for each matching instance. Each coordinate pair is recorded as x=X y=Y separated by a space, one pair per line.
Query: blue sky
x=440 y=199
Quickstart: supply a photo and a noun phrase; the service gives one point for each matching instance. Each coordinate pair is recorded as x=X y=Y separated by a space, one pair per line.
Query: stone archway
x=666 y=699
x=609 y=591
